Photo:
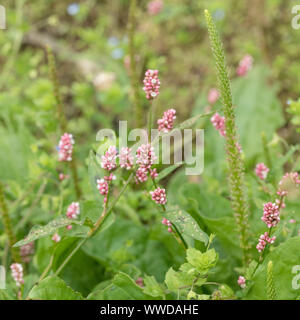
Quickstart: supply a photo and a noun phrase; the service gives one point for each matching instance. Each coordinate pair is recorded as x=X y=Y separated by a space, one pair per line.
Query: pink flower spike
x=17 y=273
x=102 y=186
x=292 y=221
x=126 y=158
x=159 y=196
x=219 y=123
x=69 y=227
x=65 y=147
x=155 y=7
x=56 y=237
x=261 y=171
x=263 y=240
x=151 y=84
x=73 y=210
x=245 y=65
x=213 y=96
x=242 y=282
x=271 y=214
x=109 y=159
x=166 y=123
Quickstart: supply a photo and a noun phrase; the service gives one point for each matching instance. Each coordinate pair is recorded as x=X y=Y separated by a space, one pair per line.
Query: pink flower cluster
x=219 y=123
x=151 y=84
x=166 y=123
x=126 y=159
x=17 y=273
x=167 y=223
x=56 y=237
x=261 y=170
x=26 y=251
x=263 y=240
x=102 y=185
x=213 y=96
x=155 y=7
x=245 y=65
x=242 y=282
x=63 y=176
x=145 y=159
x=271 y=214
x=159 y=196
x=109 y=159
x=65 y=147
x=73 y=210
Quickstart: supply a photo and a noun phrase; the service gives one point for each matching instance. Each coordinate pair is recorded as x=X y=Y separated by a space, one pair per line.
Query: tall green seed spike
x=15 y=254
x=235 y=162
x=271 y=291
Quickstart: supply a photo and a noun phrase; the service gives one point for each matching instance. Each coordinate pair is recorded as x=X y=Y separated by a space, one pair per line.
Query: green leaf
x=152 y=287
x=53 y=288
x=186 y=224
x=203 y=262
x=284 y=258
x=122 y=287
x=164 y=173
x=38 y=232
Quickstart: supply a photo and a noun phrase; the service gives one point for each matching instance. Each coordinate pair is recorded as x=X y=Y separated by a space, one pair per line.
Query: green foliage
x=53 y=287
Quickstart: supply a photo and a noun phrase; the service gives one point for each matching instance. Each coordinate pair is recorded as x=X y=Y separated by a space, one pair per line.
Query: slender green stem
x=97 y=225
x=133 y=68
x=73 y=165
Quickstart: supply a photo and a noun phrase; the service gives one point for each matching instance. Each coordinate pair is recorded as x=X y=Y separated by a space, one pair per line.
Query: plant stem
x=61 y=115
x=97 y=225
x=235 y=162
x=56 y=88
x=15 y=254
x=73 y=165
x=133 y=69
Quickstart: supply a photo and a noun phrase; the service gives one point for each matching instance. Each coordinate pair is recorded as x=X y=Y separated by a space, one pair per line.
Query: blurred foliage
x=90 y=42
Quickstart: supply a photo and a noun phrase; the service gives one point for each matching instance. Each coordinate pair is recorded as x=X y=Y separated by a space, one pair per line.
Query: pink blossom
x=73 y=210
x=159 y=195
x=167 y=223
x=219 y=123
x=213 y=96
x=62 y=176
x=126 y=158
x=17 y=273
x=145 y=156
x=242 y=282
x=271 y=214
x=109 y=159
x=263 y=240
x=151 y=84
x=69 y=227
x=102 y=186
x=141 y=175
x=65 y=147
x=26 y=251
x=261 y=171
x=166 y=123
x=56 y=237
x=292 y=221
x=245 y=65
x=153 y=173
x=155 y=7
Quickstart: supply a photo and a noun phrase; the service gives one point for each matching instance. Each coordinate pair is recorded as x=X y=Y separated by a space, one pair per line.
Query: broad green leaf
x=285 y=257
x=203 y=262
x=38 y=232
x=53 y=288
x=186 y=224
